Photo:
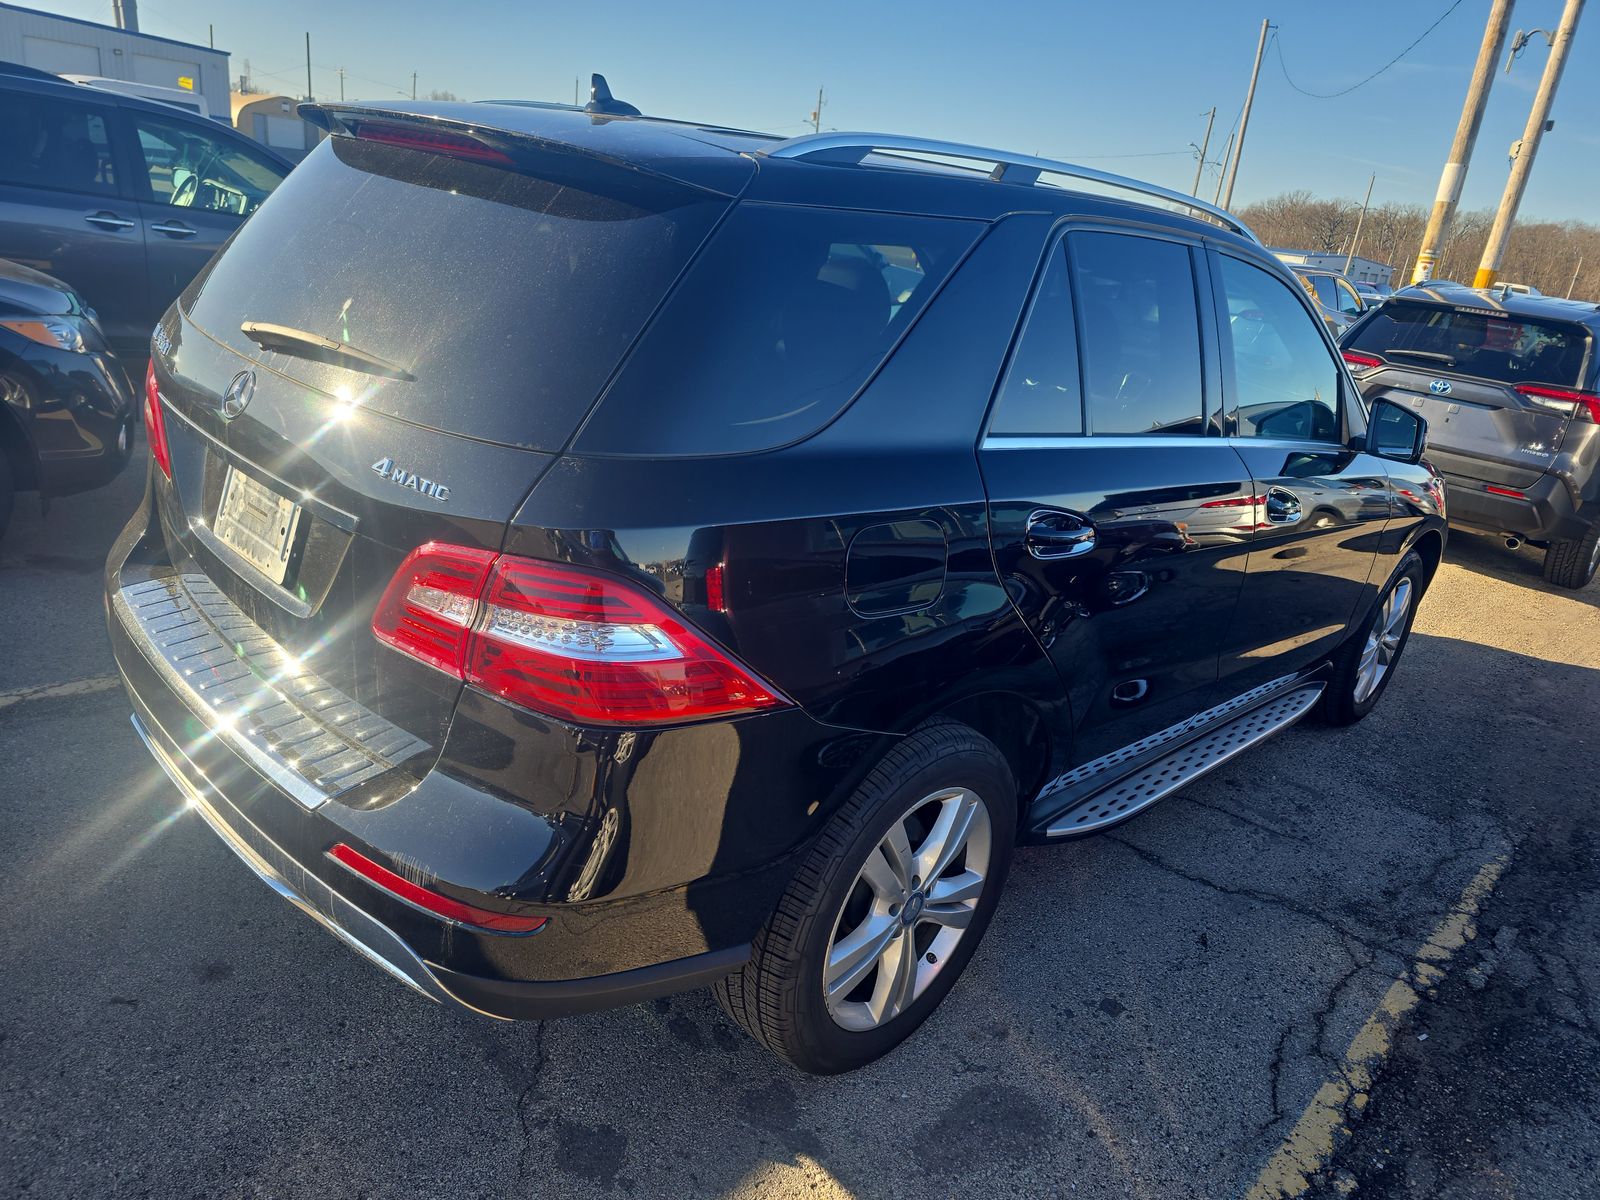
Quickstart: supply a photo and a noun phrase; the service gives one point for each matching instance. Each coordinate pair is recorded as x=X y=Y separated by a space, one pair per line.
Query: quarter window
x=1282 y=380
x=46 y=143
x=1140 y=330
x=189 y=168
x=1041 y=395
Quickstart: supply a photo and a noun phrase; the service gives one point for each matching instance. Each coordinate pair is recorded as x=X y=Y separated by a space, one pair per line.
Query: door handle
x=107 y=220
x=173 y=229
x=1052 y=534
x=1283 y=506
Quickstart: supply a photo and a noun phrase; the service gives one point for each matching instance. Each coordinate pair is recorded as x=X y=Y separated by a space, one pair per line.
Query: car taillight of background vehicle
x=1361 y=362
x=580 y=645
x=155 y=424
x=1585 y=406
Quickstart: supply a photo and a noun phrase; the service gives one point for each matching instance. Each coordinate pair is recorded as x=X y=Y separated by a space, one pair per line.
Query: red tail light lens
x=1361 y=362
x=1503 y=491
x=428 y=608
x=590 y=648
x=583 y=646
x=429 y=901
x=155 y=425
x=1585 y=406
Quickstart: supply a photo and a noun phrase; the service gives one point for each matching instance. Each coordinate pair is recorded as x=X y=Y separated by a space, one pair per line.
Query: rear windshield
x=510 y=298
x=776 y=326
x=1501 y=347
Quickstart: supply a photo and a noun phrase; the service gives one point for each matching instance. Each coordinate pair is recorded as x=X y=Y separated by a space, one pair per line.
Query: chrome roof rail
x=1006 y=167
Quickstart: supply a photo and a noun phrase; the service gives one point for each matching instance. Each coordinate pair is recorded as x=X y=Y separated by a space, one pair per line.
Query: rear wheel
x=1365 y=664
x=886 y=910
x=1573 y=563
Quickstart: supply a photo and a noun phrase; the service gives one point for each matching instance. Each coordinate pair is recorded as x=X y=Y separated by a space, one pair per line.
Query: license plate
x=257 y=524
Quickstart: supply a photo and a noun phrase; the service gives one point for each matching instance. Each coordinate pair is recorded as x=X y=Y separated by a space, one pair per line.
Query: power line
x=1278 y=45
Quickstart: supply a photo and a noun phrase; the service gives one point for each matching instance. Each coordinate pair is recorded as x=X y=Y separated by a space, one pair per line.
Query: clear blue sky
x=1077 y=80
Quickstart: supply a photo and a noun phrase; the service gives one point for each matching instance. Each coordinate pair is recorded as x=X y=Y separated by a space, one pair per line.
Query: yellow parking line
x=1311 y=1143
x=51 y=691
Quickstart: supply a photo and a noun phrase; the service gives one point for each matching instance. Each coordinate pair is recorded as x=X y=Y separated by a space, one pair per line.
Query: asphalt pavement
x=1363 y=961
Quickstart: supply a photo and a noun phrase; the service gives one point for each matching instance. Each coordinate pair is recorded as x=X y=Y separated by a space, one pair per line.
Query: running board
x=1134 y=793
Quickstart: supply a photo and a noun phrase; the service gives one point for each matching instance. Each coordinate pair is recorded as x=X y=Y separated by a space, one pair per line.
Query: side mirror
x=1396 y=432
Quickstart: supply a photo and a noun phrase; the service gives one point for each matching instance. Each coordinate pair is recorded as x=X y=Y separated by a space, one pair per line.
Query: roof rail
x=1006 y=167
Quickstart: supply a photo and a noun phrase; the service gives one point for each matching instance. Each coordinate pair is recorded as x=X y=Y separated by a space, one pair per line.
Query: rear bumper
x=1544 y=512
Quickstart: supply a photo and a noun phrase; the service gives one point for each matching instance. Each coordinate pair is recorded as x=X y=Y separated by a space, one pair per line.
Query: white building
x=1362 y=270
x=68 y=46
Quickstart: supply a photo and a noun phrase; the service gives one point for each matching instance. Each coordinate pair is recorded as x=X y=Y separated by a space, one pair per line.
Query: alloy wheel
x=1383 y=640
x=907 y=909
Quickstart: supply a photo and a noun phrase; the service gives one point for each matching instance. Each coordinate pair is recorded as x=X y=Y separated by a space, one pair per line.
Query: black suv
x=587 y=557
x=1510 y=386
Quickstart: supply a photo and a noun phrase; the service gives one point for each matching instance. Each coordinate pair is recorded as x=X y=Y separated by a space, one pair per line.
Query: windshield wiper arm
x=1430 y=355
x=298 y=342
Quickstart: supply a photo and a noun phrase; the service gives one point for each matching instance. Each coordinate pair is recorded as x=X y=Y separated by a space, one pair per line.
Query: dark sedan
x=66 y=410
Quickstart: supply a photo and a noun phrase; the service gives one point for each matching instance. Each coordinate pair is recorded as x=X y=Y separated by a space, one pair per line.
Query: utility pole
x=816 y=115
x=413 y=85
x=1360 y=221
x=1574 y=281
x=576 y=103
x=211 y=35
x=341 y=85
x=309 y=96
x=1244 y=117
x=1226 y=150
x=1211 y=118
x=1455 y=167
x=1538 y=119
x=126 y=14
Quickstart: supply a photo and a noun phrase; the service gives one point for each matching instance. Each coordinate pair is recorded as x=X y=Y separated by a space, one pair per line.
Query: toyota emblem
x=237 y=398
x=1440 y=387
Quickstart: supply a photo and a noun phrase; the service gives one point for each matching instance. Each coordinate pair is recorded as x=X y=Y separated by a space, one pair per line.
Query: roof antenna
x=602 y=101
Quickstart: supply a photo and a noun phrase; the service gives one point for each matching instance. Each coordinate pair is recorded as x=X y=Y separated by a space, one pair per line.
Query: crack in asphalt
x=540 y=1058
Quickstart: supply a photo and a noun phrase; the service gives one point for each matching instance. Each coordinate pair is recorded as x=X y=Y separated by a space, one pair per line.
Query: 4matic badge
x=410 y=479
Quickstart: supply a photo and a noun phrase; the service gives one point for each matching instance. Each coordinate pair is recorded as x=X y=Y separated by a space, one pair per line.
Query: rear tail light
x=155 y=425
x=580 y=645
x=1361 y=362
x=431 y=901
x=1585 y=406
x=1503 y=491
x=428 y=607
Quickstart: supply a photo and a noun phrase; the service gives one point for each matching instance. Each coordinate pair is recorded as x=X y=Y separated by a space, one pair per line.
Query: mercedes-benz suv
x=587 y=556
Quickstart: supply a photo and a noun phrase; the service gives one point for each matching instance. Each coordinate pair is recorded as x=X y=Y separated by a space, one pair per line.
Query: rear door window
x=778 y=324
x=1483 y=343
x=1041 y=394
x=509 y=297
x=50 y=143
x=1140 y=328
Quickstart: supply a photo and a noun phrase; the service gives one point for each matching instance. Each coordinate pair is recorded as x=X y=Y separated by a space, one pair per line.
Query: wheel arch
x=1017 y=727
x=1429 y=547
x=17 y=447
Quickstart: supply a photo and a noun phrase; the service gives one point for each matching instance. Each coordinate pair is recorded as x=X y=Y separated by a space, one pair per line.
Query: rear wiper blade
x=298 y=342
x=1430 y=355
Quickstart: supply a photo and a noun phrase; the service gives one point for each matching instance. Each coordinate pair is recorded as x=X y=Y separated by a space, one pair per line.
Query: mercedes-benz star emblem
x=237 y=398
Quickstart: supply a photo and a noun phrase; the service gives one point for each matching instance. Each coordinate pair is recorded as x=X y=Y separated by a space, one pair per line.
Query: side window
x=49 y=143
x=1282 y=381
x=1349 y=301
x=1041 y=395
x=1141 y=334
x=191 y=168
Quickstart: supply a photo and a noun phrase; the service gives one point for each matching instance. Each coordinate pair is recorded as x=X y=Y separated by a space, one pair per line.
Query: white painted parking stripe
x=52 y=691
x=1311 y=1143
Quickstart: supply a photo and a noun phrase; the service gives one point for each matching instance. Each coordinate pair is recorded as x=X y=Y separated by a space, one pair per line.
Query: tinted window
x=510 y=298
x=1041 y=393
x=777 y=325
x=50 y=143
x=1349 y=302
x=1323 y=289
x=1141 y=334
x=1282 y=380
x=189 y=167
x=1490 y=345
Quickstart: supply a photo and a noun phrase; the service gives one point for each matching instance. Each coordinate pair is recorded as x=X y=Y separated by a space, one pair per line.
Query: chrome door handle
x=109 y=221
x=182 y=231
x=1051 y=534
x=1283 y=506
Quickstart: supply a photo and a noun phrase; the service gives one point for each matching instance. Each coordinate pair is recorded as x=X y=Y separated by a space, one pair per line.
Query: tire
x=779 y=996
x=1572 y=563
x=8 y=492
x=1350 y=694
